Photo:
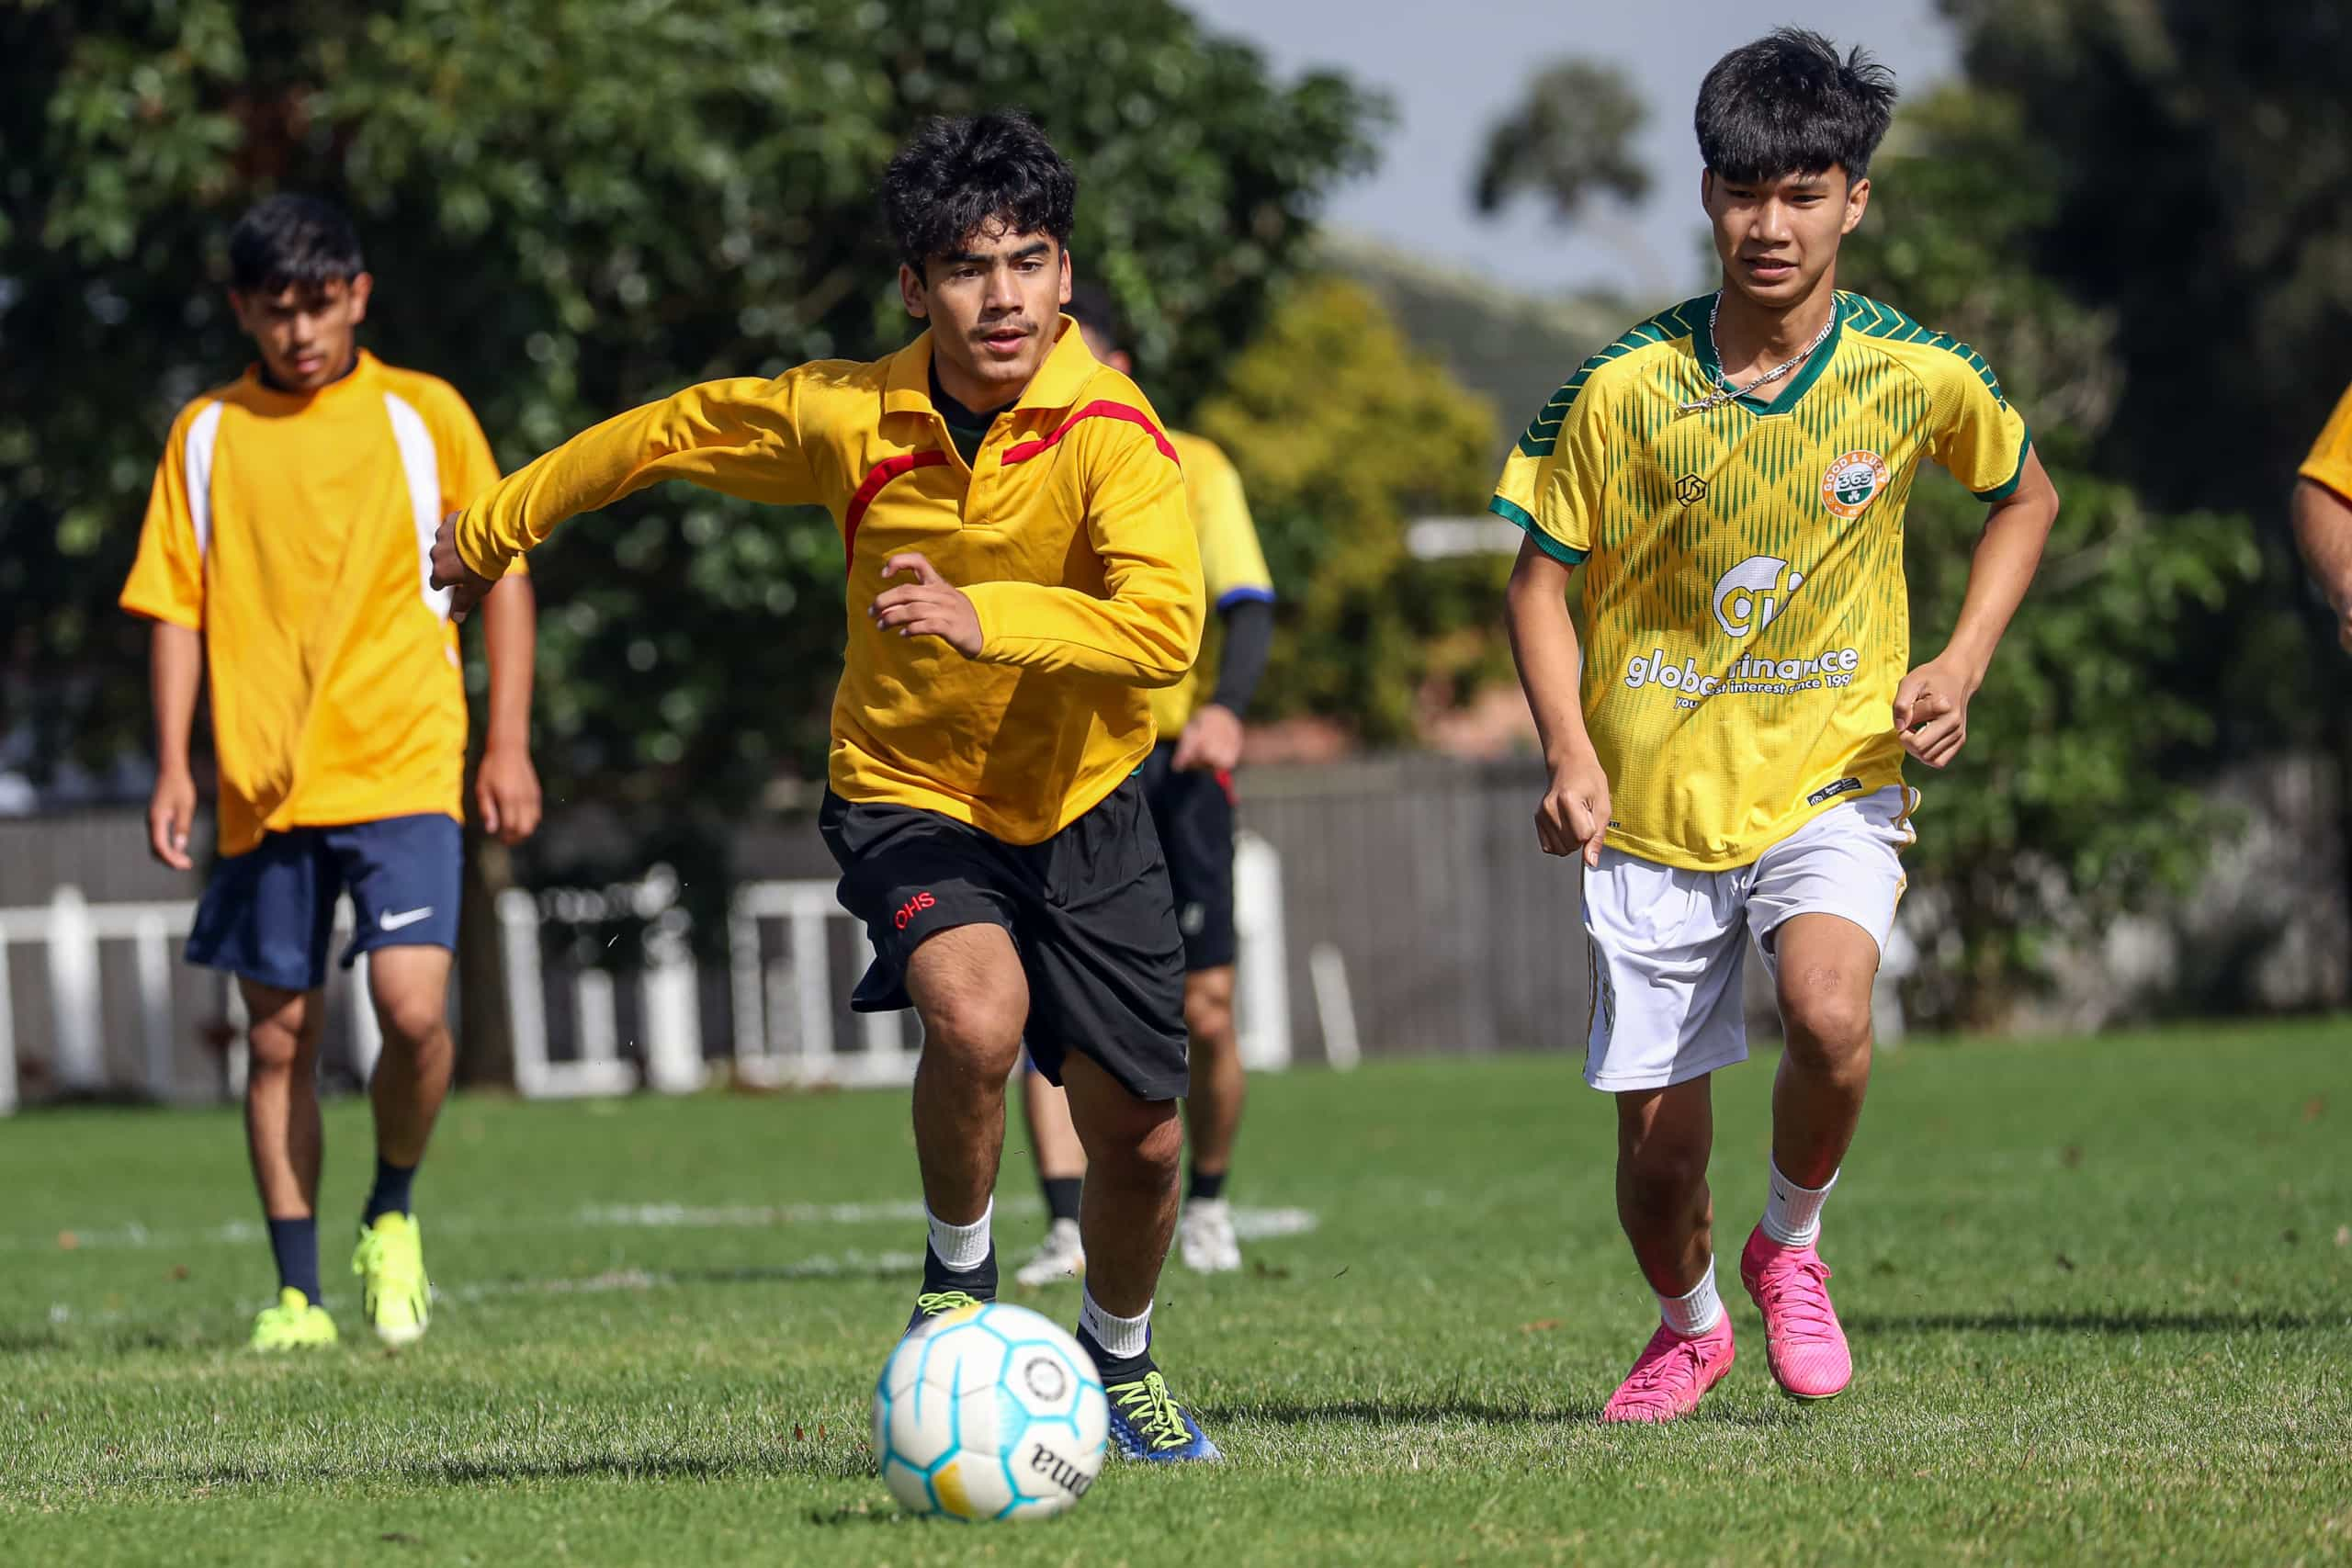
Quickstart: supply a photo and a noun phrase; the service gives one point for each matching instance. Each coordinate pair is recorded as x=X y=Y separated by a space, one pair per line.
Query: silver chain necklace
x=1723 y=391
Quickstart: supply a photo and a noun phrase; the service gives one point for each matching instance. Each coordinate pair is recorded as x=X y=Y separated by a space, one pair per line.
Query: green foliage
x=571 y=207
x=2195 y=158
x=1343 y=433
x=1568 y=137
x=2079 y=796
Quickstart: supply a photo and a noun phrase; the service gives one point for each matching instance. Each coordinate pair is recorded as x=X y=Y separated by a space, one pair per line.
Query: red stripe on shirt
x=1029 y=449
x=881 y=474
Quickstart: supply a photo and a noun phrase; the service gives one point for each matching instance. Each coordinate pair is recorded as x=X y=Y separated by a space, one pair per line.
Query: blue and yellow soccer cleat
x=934 y=1304
x=294 y=1324
x=394 y=1295
x=1147 y=1424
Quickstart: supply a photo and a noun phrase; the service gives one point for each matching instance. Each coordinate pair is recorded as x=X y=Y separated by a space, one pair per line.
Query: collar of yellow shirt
x=1059 y=383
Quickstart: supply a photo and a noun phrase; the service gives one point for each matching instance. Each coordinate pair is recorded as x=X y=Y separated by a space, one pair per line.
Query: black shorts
x=1193 y=811
x=1089 y=911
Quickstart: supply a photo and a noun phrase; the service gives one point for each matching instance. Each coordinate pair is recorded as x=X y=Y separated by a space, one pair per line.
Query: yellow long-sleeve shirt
x=1069 y=533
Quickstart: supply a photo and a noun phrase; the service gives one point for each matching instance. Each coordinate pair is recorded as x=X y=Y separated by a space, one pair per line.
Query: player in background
x=1188 y=787
x=285 y=554
x=1731 y=477
x=1019 y=565
x=2324 y=515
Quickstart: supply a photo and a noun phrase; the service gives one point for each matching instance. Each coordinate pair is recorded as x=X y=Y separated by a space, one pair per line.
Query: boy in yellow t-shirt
x=287 y=552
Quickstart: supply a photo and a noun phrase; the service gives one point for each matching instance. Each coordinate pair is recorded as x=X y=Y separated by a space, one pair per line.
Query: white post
x=813 y=985
x=7 y=1034
x=1334 y=1006
x=597 y=1015
x=1262 y=978
x=672 y=1008
x=527 y=1004
x=743 y=982
x=367 y=1034
x=151 y=946
x=80 y=1063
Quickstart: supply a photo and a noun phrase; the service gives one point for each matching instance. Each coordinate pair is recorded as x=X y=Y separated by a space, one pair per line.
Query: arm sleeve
x=2330 y=462
x=1551 y=483
x=1147 y=631
x=1233 y=563
x=166 y=581
x=468 y=467
x=739 y=437
x=1248 y=642
x=1979 y=437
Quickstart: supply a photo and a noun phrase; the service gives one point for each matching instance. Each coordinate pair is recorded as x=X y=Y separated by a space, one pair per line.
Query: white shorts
x=1665 y=948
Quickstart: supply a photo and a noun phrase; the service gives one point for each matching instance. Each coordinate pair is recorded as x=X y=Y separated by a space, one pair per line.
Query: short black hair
x=1788 y=104
x=1092 y=307
x=290 y=240
x=957 y=176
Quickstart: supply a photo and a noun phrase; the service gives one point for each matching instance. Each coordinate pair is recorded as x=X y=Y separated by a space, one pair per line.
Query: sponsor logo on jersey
x=1750 y=594
x=1691 y=489
x=1852 y=483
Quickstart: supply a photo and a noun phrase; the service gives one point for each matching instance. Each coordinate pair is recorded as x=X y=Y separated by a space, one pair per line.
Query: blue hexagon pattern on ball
x=989 y=1413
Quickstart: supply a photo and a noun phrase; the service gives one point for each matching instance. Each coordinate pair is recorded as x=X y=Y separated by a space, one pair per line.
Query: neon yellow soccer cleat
x=294 y=1324
x=395 y=1297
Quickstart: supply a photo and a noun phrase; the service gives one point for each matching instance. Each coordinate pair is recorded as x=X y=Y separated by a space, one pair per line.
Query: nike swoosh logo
x=406 y=917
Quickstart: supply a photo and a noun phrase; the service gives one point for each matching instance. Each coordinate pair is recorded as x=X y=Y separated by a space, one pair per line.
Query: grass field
x=2100 y=1297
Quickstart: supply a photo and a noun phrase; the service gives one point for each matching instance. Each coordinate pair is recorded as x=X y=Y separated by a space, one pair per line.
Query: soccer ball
x=989 y=1413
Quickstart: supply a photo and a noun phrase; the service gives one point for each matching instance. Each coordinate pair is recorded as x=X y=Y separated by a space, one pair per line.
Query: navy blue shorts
x=268 y=914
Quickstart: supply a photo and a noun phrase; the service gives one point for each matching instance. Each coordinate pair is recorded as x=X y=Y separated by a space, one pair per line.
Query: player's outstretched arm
x=506 y=791
x=1931 y=705
x=740 y=438
x=174 y=669
x=1574 y=816
x=1146 y=629
x=2324 y=530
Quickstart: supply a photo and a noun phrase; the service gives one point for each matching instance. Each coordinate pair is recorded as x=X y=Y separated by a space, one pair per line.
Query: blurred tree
x=1567 y=141
x=571 y=207
x=2082 y=790
x=1343 y=433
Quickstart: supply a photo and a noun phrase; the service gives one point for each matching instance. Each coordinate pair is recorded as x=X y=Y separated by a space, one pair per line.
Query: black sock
x=1061 y=1195
x=389 y=1195
x=1207 y=1186
x=1113 y=1370
x=294 y=1244
x=978 y=1284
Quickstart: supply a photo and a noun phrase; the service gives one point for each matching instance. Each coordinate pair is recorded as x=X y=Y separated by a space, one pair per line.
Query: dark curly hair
x=958 y=175
x=293 y=240
x=1788 y=104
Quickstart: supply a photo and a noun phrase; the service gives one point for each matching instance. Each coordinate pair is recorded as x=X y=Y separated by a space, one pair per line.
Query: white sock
x=1697 y=1312
x=961 y=1246
x=1793 y=1213
x=1120 y=1337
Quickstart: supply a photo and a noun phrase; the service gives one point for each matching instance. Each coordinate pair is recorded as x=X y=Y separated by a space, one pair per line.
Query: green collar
x=1703 y=344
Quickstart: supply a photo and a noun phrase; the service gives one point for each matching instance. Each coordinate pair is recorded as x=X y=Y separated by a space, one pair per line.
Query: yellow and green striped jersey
x=1745 y=620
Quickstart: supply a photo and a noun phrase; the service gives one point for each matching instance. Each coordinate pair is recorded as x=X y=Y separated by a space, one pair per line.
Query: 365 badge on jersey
x=1852 y=483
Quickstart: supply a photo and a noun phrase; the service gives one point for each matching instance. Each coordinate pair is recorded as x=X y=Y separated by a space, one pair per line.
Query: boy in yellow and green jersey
x=1188 y=785
x=1726 y=731
x=286 y=554
x=990 y=725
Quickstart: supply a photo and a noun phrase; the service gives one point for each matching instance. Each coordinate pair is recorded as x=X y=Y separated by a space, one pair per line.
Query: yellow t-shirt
x=1068 y=534
x=1745 y=617
x=295 y=531
x=1233 y=567
x=2330 y=462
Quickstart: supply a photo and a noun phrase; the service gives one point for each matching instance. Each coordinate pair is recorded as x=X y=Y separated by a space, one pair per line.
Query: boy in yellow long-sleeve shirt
x=1021 y=565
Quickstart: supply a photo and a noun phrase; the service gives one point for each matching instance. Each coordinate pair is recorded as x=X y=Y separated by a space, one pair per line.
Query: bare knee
x=1663 y=1171
x=1208 y=1004
x=1128 y=1139
x=284 y=1034
x=409 y=1022
x=976 y=1030
x=1827 y=1017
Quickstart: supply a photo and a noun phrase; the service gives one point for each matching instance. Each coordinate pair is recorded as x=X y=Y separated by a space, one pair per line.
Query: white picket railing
x=785 y=993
